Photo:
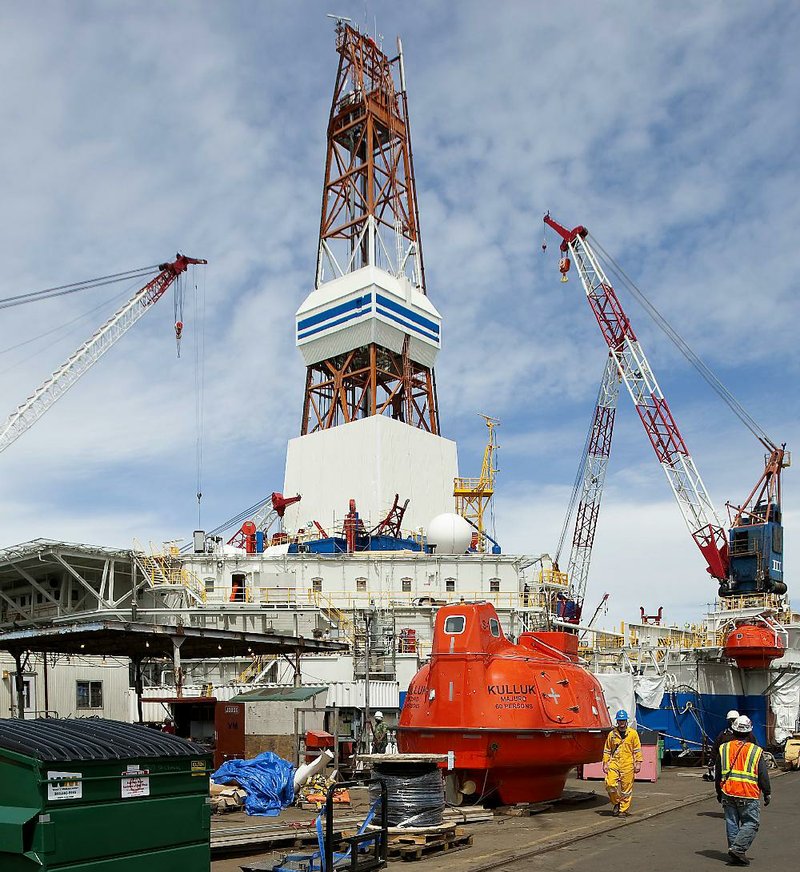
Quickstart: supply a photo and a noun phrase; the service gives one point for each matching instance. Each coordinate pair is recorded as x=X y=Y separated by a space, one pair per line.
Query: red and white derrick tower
x=624 y=349
x=369 y=343
x=368 y=332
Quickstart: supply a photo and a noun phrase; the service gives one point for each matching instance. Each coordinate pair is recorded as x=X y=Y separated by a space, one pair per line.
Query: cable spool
x=415 y=793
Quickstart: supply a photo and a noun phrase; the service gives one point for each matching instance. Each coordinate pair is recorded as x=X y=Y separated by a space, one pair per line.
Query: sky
x=133 y=130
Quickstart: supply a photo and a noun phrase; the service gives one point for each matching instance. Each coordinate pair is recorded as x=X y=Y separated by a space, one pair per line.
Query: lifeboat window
x=494 y=627
x=455 y=624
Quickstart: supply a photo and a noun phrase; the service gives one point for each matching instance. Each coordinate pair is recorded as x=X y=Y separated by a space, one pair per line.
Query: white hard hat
x=732 y=715
x=378 y=716
x=742 y=724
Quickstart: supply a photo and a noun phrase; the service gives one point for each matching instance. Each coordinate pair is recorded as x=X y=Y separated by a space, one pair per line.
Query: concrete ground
x=676 y=824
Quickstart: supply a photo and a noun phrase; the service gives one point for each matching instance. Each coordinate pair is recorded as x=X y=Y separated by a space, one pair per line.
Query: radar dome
x=450 y=533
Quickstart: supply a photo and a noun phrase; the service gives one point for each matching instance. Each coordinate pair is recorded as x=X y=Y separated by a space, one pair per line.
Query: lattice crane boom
x=57 y=384
x=595 y=464
x=651 y=405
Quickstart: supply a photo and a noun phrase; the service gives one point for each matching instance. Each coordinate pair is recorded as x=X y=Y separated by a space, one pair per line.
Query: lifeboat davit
x=753 y=646
x=516 y=718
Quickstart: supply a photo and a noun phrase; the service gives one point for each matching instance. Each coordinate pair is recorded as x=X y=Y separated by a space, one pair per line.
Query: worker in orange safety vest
x=741 y=778
x=622 y=759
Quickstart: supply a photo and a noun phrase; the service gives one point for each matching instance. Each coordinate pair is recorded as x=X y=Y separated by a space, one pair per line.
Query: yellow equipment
x=474 y=494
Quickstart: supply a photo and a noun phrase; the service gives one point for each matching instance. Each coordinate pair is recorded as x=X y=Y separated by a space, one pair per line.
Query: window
x=494 y=627
x=316 y=584
x=89 y=694
x=361 y=584
x=455 y=624
x=406 y=582
x=450 y=584
x=209 y=582
x=494 y=585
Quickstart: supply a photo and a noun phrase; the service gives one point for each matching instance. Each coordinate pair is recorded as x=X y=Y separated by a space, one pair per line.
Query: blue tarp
x=268 y=780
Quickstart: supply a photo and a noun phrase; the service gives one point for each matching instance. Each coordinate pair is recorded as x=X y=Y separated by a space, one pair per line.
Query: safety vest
x=739 y=762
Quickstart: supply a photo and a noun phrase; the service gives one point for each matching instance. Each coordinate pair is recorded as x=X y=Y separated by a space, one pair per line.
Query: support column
x=137 y=686
x=177 y=641
x=19 y=684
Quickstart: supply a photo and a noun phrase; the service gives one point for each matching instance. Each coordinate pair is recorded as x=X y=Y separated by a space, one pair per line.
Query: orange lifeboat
x=753 y=646
x=516 y=718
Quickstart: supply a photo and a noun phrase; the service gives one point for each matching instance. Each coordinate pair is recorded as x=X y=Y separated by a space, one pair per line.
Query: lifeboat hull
x=753 y=646
x=514 y=718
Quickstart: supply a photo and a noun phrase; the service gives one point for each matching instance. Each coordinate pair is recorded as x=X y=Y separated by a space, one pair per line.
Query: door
x=229 y=732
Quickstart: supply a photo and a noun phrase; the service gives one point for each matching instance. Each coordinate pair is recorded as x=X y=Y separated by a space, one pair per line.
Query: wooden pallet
x=411 y=851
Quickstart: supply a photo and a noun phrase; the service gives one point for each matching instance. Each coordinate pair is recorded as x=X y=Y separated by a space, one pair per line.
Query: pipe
x=308 y=770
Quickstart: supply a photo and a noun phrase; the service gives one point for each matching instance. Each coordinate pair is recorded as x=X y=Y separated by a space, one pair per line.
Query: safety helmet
x=742 y=724
x=621 y=715
x=732 y=715
x=378 y=716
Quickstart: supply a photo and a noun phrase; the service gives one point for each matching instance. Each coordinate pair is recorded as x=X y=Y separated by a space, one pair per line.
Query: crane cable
x=61 y=328
x=680 y=343
x=75 y=287
x=199 y=384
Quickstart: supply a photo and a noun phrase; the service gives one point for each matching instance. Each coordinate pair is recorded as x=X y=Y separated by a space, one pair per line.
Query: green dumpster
x=91 y=795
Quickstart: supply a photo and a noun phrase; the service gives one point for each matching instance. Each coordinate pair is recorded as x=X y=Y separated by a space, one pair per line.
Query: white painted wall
x=370 y=461
x=62 y=678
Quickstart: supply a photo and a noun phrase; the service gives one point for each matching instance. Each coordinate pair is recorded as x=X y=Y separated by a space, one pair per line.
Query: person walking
x=380 y=735
x=724 y=736
x=622 y=759
x=741 y=778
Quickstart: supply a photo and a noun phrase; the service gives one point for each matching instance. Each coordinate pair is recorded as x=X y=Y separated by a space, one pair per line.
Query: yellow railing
x=165 y=567
x=553 y=576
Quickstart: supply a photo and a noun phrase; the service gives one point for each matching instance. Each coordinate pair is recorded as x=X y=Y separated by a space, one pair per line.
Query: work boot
x=738 y=858
x=615 y=810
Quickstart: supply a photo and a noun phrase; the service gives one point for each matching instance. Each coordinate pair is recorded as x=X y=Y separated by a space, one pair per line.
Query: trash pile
x=225 y=799
x=313 y=793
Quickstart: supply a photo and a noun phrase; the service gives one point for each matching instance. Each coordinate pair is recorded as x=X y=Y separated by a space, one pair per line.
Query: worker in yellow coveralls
x=622 y=759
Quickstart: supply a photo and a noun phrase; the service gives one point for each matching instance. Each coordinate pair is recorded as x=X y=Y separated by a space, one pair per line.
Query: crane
x=473 y=495
x=748 y=557
x=60 y=381
x=590 y=481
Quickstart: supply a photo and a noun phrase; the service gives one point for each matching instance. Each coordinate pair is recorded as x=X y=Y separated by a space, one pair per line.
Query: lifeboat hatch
x=556 y=694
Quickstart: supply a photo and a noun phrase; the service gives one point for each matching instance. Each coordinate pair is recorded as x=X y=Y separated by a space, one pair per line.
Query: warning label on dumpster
x=135 y=782
x=64 y=785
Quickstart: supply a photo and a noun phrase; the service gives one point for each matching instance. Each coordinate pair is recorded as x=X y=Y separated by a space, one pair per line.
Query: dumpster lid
x=90 y=739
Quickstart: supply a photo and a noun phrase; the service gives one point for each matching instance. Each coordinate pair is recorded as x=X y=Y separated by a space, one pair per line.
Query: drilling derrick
x=368 y=333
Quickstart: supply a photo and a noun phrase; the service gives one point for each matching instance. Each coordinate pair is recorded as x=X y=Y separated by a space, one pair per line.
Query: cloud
x=669 y=130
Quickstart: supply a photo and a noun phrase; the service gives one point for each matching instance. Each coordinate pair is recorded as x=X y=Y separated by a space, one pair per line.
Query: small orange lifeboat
x=753 y=646
x=516 y=718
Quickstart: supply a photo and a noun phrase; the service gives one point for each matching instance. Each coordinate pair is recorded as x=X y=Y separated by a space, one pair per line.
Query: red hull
x=516 y=718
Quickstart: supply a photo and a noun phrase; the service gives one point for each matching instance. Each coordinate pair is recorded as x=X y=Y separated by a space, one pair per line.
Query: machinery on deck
x=748 y=559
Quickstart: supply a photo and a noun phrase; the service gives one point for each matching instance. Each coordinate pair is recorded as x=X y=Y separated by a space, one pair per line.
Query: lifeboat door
x=556 y=694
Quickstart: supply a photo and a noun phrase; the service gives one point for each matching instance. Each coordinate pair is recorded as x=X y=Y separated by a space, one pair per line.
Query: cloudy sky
x=135 y=130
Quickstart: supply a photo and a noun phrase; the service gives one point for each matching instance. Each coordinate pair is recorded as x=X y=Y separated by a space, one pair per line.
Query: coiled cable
x=415 y=794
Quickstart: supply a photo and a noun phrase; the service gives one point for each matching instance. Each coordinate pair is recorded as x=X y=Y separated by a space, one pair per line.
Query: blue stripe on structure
x=355 y=303
x=387 y=314
x=408 y=313
x=335 y=323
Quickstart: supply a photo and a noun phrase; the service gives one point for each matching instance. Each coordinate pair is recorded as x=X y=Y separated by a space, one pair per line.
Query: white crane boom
x=57 y=384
